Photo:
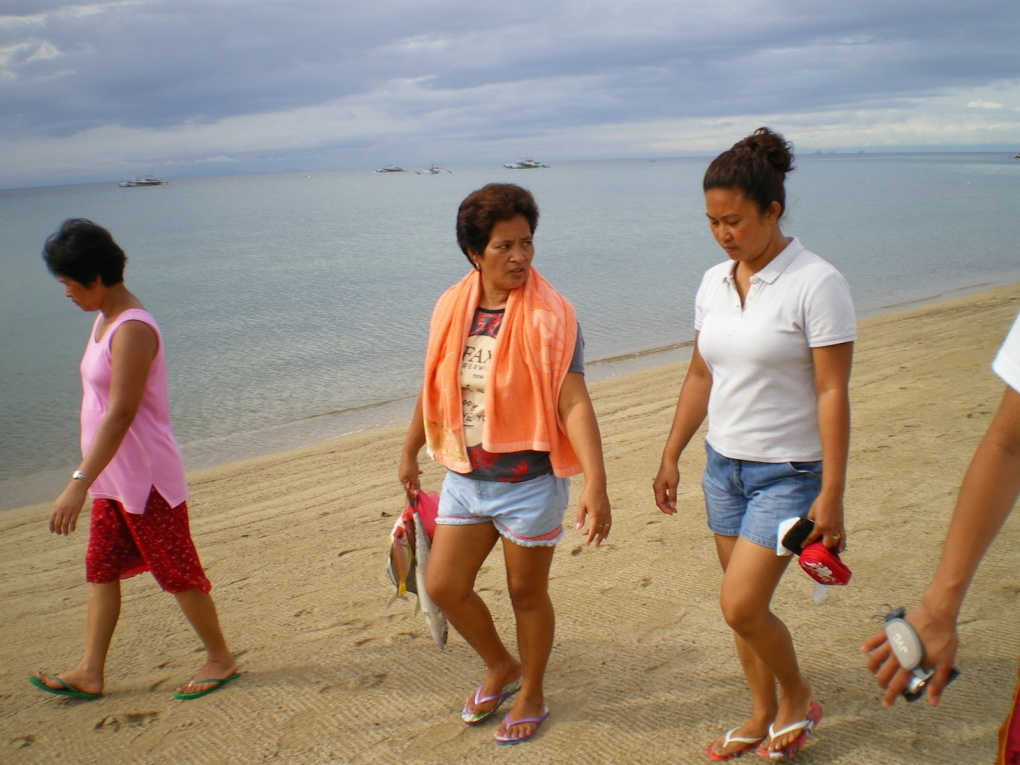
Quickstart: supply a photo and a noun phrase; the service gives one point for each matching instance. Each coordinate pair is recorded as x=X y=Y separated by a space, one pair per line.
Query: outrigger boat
x=142 y=181
x=525 y=164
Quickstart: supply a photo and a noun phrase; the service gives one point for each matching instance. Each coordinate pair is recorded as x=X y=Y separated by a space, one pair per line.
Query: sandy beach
x=643 y=669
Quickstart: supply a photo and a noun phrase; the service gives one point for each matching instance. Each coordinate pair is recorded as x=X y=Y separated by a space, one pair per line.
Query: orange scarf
x=530 y=361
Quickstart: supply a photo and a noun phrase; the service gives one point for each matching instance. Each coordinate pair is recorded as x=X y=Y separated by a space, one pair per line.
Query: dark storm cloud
x=482 y=71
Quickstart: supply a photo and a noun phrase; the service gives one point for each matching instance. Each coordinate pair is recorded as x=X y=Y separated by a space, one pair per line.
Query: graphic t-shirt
x=507 y=467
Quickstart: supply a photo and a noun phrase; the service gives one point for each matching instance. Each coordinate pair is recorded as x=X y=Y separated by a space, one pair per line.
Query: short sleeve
x=577 y=360
x=1007 y=362
x=829 y=313
x=702 y=299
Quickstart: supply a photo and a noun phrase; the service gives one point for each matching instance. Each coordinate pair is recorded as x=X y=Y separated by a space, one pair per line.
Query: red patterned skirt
x=122 y=544
x=1009 y=735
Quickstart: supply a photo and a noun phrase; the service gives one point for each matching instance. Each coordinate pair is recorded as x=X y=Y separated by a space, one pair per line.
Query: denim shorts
x=750 y=499
x=528 y=513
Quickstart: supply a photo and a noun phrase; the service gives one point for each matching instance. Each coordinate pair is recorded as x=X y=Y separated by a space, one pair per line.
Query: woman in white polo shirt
x=771 y=368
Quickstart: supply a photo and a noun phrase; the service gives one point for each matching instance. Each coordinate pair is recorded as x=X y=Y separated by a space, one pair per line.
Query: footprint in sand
x=129 y=720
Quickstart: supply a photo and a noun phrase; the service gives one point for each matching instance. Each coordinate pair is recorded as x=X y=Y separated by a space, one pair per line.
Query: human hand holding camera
x=913 y=654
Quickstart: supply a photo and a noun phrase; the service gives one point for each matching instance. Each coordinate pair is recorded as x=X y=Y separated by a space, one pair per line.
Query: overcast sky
x=107 y=90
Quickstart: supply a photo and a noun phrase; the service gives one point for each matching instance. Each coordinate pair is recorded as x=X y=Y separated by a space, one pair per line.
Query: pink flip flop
x=805 y=726
x=474 y=718
x=749 y=743
x=504 y=740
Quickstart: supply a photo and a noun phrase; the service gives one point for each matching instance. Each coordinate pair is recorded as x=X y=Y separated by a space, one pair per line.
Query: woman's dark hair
x=757 y=166
x=81 y=250
x=484 y=208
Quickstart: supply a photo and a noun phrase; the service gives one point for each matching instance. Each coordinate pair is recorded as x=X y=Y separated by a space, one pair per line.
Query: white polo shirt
x=1007 y=362
x=762 y=405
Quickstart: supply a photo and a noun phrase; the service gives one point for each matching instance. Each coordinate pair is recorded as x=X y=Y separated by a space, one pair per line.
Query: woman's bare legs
x=200 y=610
x=764 y=644
x=527 y=573
x=102 y=613
x=457 y=554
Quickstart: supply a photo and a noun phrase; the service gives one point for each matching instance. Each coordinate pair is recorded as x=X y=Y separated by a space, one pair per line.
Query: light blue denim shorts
x=528 y=513
x=750 y=499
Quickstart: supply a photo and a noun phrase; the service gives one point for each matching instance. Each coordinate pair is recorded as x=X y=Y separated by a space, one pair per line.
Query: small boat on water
x=142 y=181
x=391 y=169
x=525 y=164
x=1017 y=155
x=432 y=170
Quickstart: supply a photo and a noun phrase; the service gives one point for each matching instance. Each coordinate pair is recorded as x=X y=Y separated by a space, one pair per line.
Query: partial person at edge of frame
x=987 y=496
x=774 y=333
x=130 y=465
x=505 y=408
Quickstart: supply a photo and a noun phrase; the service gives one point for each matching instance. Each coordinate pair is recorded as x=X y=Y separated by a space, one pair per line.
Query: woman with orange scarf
x=505 y=408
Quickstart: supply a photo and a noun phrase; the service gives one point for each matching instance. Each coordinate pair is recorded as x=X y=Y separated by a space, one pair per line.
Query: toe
x=46 y=679
x=195 y=686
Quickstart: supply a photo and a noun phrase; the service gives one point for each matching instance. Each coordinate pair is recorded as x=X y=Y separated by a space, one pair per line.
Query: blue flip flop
x=503 y=740
x=217 y=684
x=68 y=690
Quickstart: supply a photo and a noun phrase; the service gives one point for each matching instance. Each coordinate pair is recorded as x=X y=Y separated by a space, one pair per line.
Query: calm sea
x=294 y=307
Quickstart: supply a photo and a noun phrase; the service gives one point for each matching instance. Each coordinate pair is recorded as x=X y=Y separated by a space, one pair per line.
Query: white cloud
x=43 y=52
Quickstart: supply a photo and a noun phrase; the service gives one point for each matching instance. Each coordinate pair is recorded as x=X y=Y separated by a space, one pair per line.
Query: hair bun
x=757 y=166
x=777 y=151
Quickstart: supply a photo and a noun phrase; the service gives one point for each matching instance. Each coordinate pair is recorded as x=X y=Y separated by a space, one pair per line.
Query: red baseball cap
x=823 y=565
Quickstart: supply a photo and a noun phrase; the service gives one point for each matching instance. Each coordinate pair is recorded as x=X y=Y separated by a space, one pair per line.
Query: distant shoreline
x=217 y=452
x=679 y=157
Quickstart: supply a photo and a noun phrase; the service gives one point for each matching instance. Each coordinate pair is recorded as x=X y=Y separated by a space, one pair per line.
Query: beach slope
x=643 y=669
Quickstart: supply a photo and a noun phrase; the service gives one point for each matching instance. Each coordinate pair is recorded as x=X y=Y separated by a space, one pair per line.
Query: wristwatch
x=77 y=475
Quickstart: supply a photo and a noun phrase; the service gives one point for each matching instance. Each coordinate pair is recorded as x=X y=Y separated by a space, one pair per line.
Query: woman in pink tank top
x=130 y=465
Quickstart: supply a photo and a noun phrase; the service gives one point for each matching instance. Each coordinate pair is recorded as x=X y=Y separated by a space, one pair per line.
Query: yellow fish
x=400 y=568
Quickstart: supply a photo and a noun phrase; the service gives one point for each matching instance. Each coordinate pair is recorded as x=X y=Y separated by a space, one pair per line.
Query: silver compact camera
x=906 y=647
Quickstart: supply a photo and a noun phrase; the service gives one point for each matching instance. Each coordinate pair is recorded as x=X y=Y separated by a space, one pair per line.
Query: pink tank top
x=148 y=456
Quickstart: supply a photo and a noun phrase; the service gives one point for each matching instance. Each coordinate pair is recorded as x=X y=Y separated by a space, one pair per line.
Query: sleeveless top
x=148 y=456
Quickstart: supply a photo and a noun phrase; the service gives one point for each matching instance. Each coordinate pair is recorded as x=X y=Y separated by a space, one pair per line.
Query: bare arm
x=691 y=410
x=132 y=350
x=987 y=495
x=413 y=442
x=832 y=384
x=578 y=416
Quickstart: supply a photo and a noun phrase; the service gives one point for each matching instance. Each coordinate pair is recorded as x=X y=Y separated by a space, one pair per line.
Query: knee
x=446 y=592
x=528 y=595
x=742 y=616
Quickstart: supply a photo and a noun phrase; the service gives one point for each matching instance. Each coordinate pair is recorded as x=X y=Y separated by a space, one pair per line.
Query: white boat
x=142 y=181
x=391 y=169
x=432 y=170
x=525 y=164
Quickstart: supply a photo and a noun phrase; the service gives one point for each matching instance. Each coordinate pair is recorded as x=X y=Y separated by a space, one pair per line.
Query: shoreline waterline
x=277 y=301
x=42 y=487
